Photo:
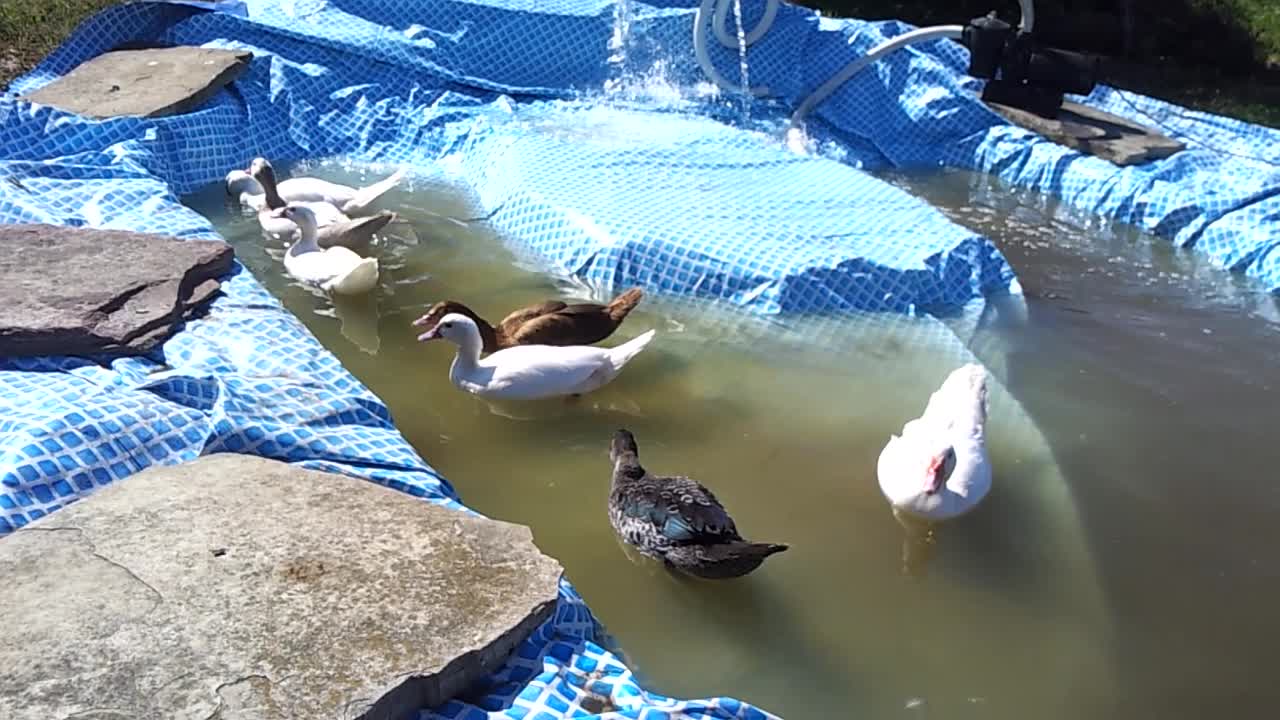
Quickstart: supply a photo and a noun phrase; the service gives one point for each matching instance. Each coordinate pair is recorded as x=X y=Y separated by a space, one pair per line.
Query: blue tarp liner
x=698 y=209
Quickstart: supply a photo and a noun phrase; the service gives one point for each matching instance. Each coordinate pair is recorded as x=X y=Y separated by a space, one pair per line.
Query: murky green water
x=1121 y=567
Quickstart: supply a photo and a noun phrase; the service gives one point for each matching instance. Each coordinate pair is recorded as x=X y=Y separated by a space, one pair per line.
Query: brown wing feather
x=556 y=323
x=622 y=305
x=516 y=318
x=565 y=327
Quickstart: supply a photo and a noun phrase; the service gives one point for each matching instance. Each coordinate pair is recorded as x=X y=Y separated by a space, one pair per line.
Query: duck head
x=623 y=445
x=436 y=313
x=298 y=215
x=940 y=462
x=454 y=327
x=260 y=169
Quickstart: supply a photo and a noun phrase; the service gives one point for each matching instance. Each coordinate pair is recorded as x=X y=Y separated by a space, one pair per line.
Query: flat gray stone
x=150 y=82
x=1095 y=132
x=239 y=588
x=80 y=291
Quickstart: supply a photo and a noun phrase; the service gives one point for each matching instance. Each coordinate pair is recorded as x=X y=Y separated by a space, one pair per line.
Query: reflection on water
x=1002 y=614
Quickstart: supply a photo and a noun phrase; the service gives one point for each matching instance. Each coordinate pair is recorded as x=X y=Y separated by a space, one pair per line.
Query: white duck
x=938 y=469
x=333 y=227
x=349 y=200
x=529 y=372
x=336 y=270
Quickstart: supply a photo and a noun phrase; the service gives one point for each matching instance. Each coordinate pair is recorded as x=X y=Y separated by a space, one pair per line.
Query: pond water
x=1121 y=567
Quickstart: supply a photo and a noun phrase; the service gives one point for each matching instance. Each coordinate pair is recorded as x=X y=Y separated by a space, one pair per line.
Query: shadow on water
x=752 y=601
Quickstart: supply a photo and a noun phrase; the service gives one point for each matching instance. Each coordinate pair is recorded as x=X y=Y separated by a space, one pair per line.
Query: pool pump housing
x=1020 y=72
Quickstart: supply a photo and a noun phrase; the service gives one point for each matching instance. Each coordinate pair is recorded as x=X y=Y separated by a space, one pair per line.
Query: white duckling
x=938 y=469
x=352 y=201
x=336 y=270
x=333 y=227
x=529 y=372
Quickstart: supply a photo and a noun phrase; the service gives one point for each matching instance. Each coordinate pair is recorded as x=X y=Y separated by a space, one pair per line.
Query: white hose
x=716 y=12
x=721 y=21
x=1028 y=9
x=953 y=32
x=918 y=35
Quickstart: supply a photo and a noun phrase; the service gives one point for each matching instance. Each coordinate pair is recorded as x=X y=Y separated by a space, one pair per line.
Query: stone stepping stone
x=237 y=587
x=82 y=291
x=151 y=82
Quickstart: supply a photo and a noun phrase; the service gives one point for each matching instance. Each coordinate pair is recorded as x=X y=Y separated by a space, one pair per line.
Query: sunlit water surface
x=1122 y=566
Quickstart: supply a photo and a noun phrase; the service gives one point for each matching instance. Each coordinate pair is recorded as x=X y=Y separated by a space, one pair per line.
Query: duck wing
x=534 y=370
x=361 y=198
x=680 y=508
x=314 y=190
x=516 y=318
x=579 y=324
x=958 y=405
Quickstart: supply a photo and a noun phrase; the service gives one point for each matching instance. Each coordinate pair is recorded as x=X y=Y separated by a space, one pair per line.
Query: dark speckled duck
x=676 y=520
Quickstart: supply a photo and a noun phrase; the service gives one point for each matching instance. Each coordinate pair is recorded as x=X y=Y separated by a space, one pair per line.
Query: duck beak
x=429 y=335
x=422 y=320
x=934 y=474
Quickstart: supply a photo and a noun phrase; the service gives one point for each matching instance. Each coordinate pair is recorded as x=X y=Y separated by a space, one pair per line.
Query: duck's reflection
x=918 y=543
x=358 y=315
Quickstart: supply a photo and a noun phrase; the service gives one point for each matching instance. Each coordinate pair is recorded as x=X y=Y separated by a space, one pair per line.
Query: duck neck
x=468 y=355
x=306 y=240
x=627 y=467
x=267 y=179
x=488 y=336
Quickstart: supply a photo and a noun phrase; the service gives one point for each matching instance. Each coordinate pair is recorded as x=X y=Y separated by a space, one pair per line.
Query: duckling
x=549 y=323
x=676 y=520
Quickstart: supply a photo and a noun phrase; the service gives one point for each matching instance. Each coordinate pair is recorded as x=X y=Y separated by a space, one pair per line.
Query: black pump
x=1020 y=72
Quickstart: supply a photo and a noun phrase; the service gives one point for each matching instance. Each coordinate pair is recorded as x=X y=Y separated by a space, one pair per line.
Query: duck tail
x=723 y=560
x=373 y=223
x=356 y=233
x=743 y=550
x=972 y=379
x=962 y=396
x=359 y=280
x=622 y=354
x=366 y=195
x=764 y=550
x=622 y=305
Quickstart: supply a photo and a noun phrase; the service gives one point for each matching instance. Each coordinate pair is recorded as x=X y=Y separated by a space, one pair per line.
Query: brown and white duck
x=550 y=323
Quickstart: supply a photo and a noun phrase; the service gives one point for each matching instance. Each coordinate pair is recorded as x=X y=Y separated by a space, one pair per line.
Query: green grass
x=1207 y=90
x=31 y=29
x=1263 y=18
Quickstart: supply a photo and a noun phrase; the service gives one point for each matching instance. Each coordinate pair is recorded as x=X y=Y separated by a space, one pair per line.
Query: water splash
x=619 y=48
x=743 y=73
